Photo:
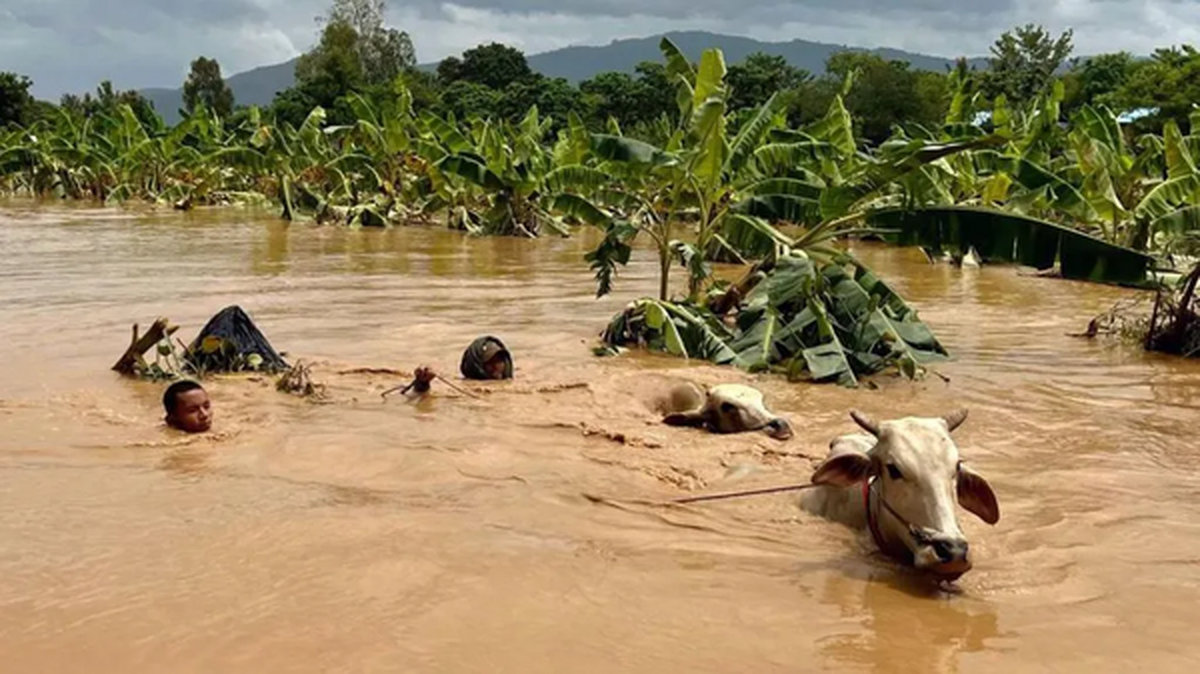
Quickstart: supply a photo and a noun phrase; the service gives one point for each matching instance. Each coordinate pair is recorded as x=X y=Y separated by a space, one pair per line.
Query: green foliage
x=555 y=99
x=108 y=102
x=759 y=77
x=355 y=54
x=467 y=100
x=835 y=321
x=16 y=103
x=381 y=54
x=1024 y=61
x=1096 y=80
x=887 y=93
x=491 y=65
x=1169 y=81
x=630 y=100
x=205 y=86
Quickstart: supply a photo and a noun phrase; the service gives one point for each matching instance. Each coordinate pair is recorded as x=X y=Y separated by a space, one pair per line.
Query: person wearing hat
x=486 y=358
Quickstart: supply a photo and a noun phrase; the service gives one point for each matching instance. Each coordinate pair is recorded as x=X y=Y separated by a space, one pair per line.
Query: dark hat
x=480 y=353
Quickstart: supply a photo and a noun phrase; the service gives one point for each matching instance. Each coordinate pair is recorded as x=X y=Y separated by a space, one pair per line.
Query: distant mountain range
x=575 y=64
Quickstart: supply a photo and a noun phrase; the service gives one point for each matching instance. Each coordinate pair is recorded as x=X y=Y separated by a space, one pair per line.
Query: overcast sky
x=70 y=45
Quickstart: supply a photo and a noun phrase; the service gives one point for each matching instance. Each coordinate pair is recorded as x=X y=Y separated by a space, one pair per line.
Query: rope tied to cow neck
x=917 y=533
x=744 y=493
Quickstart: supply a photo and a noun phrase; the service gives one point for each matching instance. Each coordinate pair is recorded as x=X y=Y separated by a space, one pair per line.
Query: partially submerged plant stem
x=1171 y=324
x=298 y=381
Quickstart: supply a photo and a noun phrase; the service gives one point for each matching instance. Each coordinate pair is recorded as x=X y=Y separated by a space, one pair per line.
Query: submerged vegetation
x=1168 y=322
x=712 y=164
x=833 y=322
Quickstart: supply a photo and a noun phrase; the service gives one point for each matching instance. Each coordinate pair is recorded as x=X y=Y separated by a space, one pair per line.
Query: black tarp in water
x=239 y=340
x=478 y=354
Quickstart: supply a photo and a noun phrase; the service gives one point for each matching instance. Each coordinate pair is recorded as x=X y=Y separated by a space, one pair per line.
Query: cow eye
x=894 y=472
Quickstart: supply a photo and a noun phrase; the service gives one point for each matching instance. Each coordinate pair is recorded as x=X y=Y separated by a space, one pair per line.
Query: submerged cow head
x=733 y=408
x=919 y=478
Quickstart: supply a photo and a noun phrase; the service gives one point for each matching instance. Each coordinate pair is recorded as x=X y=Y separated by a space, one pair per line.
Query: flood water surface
x=456 y=534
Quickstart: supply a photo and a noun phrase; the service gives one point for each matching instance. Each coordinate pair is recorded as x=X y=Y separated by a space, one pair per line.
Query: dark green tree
x=1169 y=81
x=423 y=87
x=1024 y=62
x=492 y=65
x=356 y=52
x=383 y=53
x=449 y=70
x=324 y=75
x=554 y=97
x=760 y=75
x=616 y=95
x=16 y=103
x=885 y=93
x=658 y=91
x=467 y=99
x=1096 y=80
x=630 y=100
x=205 y=86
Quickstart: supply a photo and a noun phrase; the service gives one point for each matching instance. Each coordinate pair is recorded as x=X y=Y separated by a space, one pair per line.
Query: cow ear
x=976 y=495
x=844 y=470
x=692 y=418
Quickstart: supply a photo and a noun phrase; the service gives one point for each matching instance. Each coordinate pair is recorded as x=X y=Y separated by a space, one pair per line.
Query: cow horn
x=955 y=419
x=868 y=424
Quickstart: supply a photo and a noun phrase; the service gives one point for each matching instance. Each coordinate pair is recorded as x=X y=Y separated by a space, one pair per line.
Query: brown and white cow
x=725 y=408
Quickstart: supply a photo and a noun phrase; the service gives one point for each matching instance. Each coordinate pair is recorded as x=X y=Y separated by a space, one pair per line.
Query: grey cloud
x=770 y=11
x=70 y=45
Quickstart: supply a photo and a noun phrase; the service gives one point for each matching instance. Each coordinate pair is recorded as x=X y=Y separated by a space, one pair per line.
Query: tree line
x=357 y=53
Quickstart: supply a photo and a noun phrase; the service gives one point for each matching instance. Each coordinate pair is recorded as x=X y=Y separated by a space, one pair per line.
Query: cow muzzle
x=778 y=428
x=946 y=557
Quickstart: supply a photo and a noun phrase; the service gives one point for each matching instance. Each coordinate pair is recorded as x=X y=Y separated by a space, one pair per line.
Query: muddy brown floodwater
x=453 y=535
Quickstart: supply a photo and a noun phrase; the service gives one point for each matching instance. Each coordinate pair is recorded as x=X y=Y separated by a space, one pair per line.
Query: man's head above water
x=486 y=358
x=188 y=407
x=494 y=361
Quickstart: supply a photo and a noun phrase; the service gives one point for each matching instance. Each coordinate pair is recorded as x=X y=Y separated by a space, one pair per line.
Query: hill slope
x=575 y=64
x=579 y=63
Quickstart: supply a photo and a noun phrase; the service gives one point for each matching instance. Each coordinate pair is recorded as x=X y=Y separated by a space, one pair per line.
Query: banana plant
x=692 y=181
x=509 y=170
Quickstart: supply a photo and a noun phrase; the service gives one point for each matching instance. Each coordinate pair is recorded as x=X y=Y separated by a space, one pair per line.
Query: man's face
x=495 y=367
x=193 y=412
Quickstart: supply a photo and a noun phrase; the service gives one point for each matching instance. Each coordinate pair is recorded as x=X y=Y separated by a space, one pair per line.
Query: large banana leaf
x=583 y=210
x=677 y=63
x=752 y=133
x=709 y=152
x=621 y=149
x=472 y=169
x=1169 y=196
x=1009 y=238
x=1177 y=223
x=671 y=327
x=898 y=159
x=710 y=79
x=836 y=128
x=746 y=236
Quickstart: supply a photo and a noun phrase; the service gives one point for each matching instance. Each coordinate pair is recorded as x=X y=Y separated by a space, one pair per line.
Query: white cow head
x=919 y=478
x=733 y=408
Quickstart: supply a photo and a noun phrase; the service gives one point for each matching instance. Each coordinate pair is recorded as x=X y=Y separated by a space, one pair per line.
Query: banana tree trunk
x=664 y=257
